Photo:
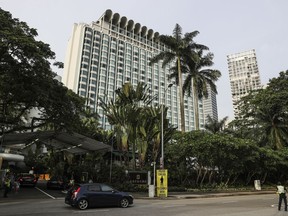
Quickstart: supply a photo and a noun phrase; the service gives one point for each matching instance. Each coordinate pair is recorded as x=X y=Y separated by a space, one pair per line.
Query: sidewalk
x=194 y=195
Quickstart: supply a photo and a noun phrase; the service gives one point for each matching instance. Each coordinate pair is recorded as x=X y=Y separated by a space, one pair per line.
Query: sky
x=225 y=26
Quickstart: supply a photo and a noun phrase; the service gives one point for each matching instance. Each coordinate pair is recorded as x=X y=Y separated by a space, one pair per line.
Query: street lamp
x=162 y=128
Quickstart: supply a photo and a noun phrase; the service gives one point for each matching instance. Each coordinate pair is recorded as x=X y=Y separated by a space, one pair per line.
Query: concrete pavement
x=194 y=195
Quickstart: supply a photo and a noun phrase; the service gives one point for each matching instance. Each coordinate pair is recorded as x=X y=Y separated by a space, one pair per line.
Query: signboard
x=138 y=177
x=257 y=184
x=162 y=183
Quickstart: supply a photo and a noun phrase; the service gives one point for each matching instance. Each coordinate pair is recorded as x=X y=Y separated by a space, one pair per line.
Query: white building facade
x=210 y=105
x=105 y=54
x=243 y=74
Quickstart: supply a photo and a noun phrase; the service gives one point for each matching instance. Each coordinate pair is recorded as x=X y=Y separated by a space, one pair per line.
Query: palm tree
x=137 y=125
x=149 y=132
x=215 y=126
x=125 y=113
x=199 y=79
x=177 y=49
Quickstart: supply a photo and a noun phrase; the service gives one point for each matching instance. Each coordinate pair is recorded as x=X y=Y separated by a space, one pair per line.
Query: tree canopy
x=27 y=82
x=266 y=111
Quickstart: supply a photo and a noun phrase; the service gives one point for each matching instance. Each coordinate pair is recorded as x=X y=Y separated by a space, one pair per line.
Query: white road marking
x=45 y=193
x=5 y=203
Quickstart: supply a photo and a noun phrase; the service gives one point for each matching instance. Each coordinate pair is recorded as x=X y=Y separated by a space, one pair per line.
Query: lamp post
x=162 y=128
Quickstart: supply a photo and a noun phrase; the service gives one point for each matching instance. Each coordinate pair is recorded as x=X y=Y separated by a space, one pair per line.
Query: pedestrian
x=7 y=185
x=71 y=182
x=12 y=181
x=281 y=190
x=16 y=186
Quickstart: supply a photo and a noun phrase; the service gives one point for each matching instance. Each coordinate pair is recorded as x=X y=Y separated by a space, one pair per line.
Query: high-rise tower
x=105 y=54
x=244 y=75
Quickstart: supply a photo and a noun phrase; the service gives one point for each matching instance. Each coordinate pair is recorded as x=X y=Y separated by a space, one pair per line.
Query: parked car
x=27 y=179
x=84 y=196
x=56 y=182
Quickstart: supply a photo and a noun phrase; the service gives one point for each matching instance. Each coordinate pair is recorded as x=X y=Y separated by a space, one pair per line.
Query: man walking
x=281 y=190
x=7 y=185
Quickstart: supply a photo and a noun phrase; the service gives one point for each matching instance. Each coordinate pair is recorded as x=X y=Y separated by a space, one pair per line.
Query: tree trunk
x=181 y=96
x=210 y=177
x=234 y=179
x=263 y=179
x=249 y=177
x=199 y=173
x=203 y=178
x=196 y=109
x=227 y=181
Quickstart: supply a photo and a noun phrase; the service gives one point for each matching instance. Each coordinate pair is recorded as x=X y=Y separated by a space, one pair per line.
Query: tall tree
x=136 y=124
x=124 y=115
x=266 y=110
x=27 y=81
x=177 y=49
x=200 y=79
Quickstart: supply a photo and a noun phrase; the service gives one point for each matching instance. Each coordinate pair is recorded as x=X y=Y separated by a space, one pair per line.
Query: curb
x=207 y=195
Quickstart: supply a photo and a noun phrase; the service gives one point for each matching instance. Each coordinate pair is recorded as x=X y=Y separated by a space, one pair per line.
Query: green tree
x=266 y=111
x=215 y=126
x=200 y=79
x=178 y=48
x=124 y=114
x=209 y=158
x=27 y=81
x=136 y=124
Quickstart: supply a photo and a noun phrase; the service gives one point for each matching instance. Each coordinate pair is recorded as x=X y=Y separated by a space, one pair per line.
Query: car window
x=106 y=188
x=94 y=188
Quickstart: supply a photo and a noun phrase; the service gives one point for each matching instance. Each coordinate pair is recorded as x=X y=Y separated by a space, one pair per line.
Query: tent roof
x=62 y=141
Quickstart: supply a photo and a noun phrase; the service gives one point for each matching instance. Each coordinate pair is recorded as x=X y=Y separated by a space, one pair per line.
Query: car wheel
x=82 y=204
x=124 y=203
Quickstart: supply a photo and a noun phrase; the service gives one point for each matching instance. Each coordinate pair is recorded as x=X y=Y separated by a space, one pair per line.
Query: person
x=12 y=181
x=16 y=186
x=281 y=190
x=71 y=182
x=7 y=185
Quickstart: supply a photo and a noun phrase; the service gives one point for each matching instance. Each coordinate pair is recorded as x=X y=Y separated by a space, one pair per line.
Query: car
x=27 y=179
x=87 y=195
x=56 y=182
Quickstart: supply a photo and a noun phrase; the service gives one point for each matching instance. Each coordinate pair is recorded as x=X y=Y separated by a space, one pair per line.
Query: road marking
x=5 y=203
x=45 y=193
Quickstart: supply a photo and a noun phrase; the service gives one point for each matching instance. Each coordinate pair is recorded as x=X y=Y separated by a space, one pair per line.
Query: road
x=39 y=201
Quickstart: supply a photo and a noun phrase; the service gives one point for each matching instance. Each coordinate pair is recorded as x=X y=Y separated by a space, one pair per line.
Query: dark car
x=27 y=179
x=56 y=182
x=84 y=196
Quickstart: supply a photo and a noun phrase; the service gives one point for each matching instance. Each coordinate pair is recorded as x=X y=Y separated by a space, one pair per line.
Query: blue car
x=85 y=196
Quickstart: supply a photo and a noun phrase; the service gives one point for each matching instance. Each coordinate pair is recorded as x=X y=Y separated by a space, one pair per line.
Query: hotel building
x=105 y=54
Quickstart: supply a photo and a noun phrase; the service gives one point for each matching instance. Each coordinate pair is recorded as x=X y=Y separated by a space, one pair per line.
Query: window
x=106 y=188
x=82 y=93
x=94 y=188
